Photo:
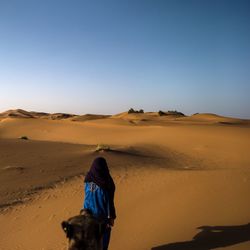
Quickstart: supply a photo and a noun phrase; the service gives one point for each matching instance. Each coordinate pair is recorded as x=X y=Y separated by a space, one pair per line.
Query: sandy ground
x=171 y=179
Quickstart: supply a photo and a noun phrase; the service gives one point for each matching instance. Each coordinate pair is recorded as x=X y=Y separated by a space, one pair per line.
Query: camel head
x=84 y=232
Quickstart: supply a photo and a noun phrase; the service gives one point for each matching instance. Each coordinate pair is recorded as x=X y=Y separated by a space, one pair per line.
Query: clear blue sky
x=95 y=56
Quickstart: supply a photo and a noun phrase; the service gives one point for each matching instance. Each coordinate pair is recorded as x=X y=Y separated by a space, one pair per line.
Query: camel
x=84 y=231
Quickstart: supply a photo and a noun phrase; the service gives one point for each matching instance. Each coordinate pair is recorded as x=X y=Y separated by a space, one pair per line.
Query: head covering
x=99 y=174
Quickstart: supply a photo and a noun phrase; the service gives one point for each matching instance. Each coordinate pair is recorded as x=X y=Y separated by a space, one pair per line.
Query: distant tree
x=131 y=111
x=170 y=112
x=161 y=113
x=175 y=112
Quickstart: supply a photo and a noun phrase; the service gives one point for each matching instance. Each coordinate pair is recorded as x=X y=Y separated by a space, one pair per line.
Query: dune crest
x=130 y=118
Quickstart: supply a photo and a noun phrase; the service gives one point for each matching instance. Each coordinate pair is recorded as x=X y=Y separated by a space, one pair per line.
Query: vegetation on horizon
x=170 y=112
x=132 y=111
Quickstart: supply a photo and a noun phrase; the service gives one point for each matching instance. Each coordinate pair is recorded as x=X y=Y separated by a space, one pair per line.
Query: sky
x=98 y=56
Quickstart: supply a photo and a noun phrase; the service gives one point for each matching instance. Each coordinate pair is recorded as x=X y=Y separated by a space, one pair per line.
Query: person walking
x=99 y=195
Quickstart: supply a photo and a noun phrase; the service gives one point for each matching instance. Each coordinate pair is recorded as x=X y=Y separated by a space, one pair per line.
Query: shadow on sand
x=212 y=237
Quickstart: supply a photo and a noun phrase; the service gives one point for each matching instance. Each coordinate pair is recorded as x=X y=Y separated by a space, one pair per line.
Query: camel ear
x=68 y=229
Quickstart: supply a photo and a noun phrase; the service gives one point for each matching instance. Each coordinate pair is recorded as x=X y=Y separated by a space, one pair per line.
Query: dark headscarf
x=99 y=174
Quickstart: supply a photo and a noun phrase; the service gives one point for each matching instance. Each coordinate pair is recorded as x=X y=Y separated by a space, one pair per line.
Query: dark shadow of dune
x=212 y=237
x=135 y=153
x=142 y=152
x=156 y=156
x=130 y=157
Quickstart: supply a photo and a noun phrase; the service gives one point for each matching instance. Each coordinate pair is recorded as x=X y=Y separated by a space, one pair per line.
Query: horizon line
x=114 y=113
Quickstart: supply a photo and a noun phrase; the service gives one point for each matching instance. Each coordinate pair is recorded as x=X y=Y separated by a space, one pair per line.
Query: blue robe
x=97 y=200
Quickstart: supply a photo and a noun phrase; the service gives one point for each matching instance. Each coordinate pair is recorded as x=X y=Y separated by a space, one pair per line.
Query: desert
x=182 y=182
x=125 y=125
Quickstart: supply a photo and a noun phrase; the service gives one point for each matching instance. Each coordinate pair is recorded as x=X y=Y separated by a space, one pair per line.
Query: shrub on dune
x=23 y=137
x=171 y=113
x=161 y=113
x=102 y=148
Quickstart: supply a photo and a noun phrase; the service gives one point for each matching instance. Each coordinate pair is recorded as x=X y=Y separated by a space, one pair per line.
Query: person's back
x=96 y=200
x=99 y=195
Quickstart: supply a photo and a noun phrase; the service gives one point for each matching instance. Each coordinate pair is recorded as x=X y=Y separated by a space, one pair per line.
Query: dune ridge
x=132 y=118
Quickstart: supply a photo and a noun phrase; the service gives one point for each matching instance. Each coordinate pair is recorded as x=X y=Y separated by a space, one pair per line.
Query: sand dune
x=133 y=118
x=172 y=176
x=44 y=163
x=154 y=118
x=155 y=207
x=17 y=113
x=213 y=118
x=20 y=113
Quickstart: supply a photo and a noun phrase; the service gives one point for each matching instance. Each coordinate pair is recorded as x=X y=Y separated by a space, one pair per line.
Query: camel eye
x=68 y=229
